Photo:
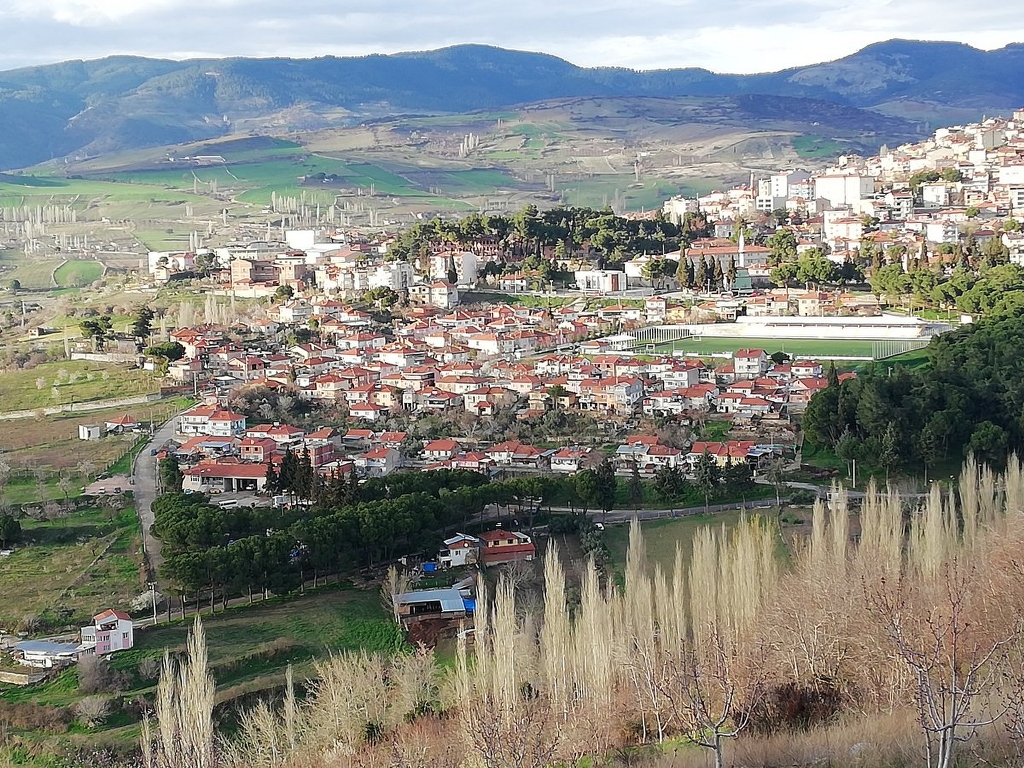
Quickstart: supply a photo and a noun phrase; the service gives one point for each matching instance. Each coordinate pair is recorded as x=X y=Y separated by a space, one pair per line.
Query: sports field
x=709 y=345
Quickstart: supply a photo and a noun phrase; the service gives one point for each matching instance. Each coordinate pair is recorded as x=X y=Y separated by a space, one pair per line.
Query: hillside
x=118 y=103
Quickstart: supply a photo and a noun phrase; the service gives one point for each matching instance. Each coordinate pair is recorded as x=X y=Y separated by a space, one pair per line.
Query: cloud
x=726 y=36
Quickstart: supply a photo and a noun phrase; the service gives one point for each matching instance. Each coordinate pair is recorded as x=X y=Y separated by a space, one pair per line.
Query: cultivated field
x=71 y=568
x=31 y=272
x=71 y=381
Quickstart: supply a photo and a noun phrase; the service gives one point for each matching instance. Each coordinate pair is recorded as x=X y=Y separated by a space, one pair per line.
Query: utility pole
x=152 y=591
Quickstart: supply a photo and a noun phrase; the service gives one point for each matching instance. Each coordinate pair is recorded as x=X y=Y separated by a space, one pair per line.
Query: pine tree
x=701 y=277
x=717 y=275
x=730 y=273
x=271 y=478
x=287 y=475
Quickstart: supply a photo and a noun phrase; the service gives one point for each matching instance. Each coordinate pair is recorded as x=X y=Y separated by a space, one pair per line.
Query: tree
x=783 y=247
x=142 y=326
x=283 y=293
x=98 y=330
x=271 y=479
x=636 y=486
x=605 y=485
x=890 y=455
x=779 y=358
x=701 y=276
x=706 y=476
x=669 y=483
x=170 y=475
x=730 y=273
x=738 y=476
x=452 y=274
x=776 y=475
x=169 y=350
x=989 y=443
x=717 y=276
x=584 y=484
x=10 y=531
x=92 y=710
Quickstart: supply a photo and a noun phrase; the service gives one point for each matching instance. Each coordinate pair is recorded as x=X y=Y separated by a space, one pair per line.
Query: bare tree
x=92 y=710
x=395 y=585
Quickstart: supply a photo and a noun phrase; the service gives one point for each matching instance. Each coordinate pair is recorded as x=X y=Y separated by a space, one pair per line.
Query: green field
x=52 y=384
x=798 y=347
x=817 y=148
x=33 y=273
x=53 y=575
x=661 y=537
x=599 y=191
x=250 y=647
x=78 y=273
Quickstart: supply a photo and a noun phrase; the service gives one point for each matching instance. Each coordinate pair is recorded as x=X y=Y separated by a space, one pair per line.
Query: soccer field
x=710 y=345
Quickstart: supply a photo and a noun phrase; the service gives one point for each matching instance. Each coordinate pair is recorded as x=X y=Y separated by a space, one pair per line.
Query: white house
x=750 y=363
x=461 y=549
x=110 y=631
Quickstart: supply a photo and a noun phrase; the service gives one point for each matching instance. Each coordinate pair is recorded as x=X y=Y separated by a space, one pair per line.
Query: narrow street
x=145 y=493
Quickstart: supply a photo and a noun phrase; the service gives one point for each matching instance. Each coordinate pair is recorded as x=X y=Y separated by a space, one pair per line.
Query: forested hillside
x=969 y=398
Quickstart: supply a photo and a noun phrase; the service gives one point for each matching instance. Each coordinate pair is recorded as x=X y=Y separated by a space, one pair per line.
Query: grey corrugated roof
x=43 y=646
x=450 y=599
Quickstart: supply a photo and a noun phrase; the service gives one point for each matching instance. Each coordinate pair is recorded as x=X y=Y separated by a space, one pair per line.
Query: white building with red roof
x=110 y=631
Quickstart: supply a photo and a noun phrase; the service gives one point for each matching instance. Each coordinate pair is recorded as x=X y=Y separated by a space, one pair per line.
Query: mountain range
x=117 y=103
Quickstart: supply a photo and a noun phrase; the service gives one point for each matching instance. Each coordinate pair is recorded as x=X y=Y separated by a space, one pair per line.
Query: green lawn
x=799 y=347
x=51 y=574
x=662 y=536
x=78 y=273
x=58 y=383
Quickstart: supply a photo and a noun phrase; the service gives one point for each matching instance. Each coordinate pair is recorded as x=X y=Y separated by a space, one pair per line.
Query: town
x=425 y=416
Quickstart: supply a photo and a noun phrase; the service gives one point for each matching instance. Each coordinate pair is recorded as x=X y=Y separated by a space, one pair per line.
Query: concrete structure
x=601 y=280
x=90 y=431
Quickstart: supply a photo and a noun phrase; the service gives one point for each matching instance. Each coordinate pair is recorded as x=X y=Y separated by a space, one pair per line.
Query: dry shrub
x=92 y=710
x=29 y=716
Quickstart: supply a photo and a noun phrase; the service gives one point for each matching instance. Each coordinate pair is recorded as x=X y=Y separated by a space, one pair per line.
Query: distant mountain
x=127 y=102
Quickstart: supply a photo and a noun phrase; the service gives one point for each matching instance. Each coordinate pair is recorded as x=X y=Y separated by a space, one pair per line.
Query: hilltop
x=119 y=103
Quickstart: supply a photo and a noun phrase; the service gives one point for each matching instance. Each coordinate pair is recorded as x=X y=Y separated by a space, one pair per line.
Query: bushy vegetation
x=968 y=399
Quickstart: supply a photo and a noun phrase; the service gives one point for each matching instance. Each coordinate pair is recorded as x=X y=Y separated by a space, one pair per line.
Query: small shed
x=90 y=431
x=432 y=604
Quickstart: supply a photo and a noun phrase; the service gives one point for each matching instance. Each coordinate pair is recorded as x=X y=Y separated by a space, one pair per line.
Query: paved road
x=145 y=493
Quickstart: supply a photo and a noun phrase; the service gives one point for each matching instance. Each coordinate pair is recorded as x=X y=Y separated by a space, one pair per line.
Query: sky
x=738 y=36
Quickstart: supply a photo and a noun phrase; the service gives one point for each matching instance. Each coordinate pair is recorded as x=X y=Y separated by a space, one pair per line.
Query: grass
x=816 y=147
x=52 y=574
x=57 y=383
x=804 y=348
x=250 y=647
x=662 y=537
x=715 y=431
x=78 y=273
x=34 y=273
